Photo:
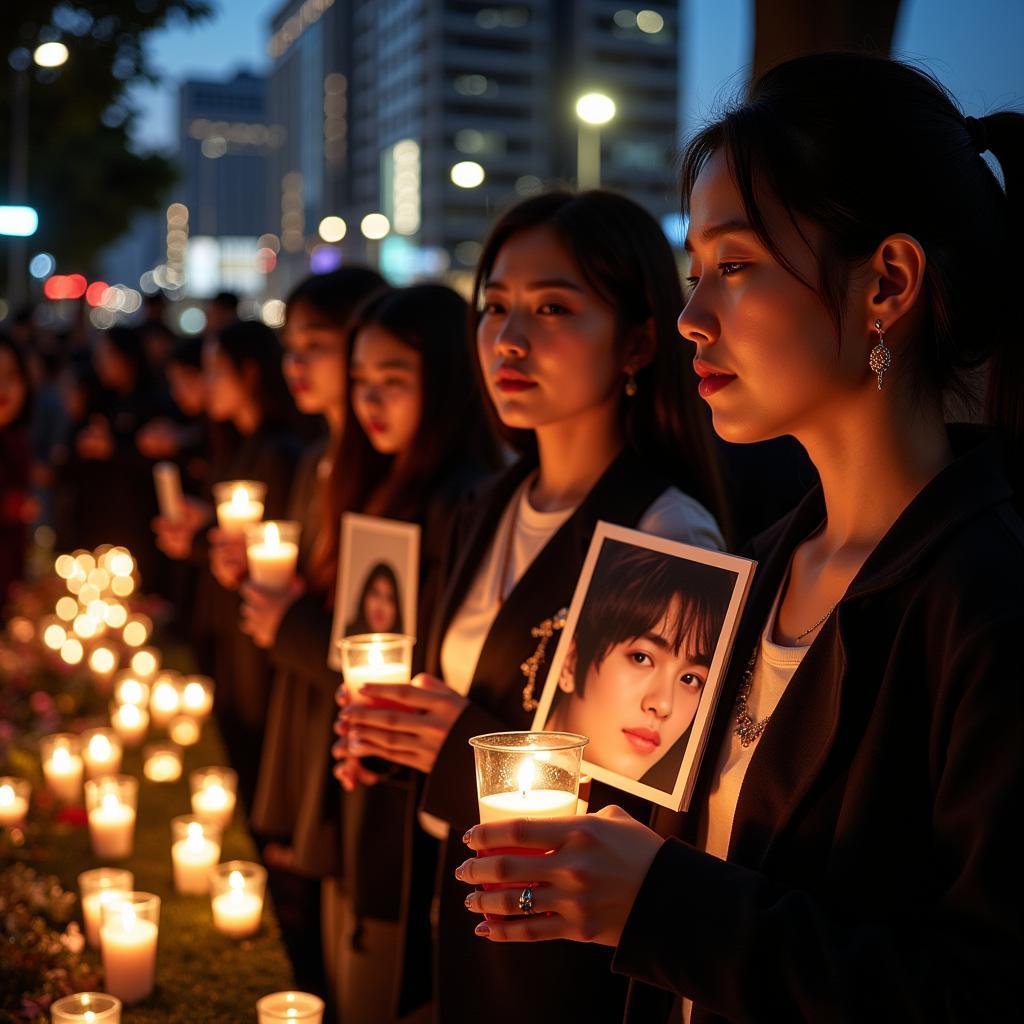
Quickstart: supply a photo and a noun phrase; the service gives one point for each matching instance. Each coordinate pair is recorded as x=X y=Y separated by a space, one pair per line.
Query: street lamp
x=374 y=227
x=593 y=109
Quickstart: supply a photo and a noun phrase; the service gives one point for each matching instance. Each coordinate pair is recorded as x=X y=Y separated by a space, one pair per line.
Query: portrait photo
x=378 y=579
x=640 y=660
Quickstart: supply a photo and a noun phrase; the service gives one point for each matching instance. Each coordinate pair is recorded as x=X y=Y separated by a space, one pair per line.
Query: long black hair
x=359 y=624
x=864 y=147
x=625 y=257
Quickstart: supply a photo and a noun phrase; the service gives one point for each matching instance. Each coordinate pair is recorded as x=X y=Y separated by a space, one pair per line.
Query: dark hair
x=381 y=571
x=21 y=368
x=187 y=352
x=864 y=146
x=632 y=590
x=128 y=343
x=625 y=257
x=249 y=342
x=228 y=300
x=336 y=295
x=453 y=427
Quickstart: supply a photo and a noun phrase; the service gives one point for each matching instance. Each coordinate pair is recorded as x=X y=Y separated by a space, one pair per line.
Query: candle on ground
x=101 y=752
x=237 y=888
x=128 y=938
x=14 y=800
x=62 y=766
x=196 y=849
x=162 y=762
x=213 y=794
x=99 y=886
x=290 y=1006
x=164 y=701
x=184 y=730
x=130 y=722
x=197 y=697
x=272 y=550
x=86 y=1008
x=111 y=803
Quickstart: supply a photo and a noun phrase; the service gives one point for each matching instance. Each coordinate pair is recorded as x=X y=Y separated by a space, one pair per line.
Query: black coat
x=475 y=979
x=871 y=873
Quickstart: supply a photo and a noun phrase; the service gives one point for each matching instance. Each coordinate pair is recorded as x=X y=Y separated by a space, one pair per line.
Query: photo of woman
x=635 y=670
x=379 y=609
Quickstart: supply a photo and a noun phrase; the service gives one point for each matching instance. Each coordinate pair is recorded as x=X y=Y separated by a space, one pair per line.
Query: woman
x=16 y=504
x=379 y=609
x=416 y=439
x=576 y=351
x=863 y=785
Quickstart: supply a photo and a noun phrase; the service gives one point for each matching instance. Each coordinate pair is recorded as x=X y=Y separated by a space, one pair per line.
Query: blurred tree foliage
x=83 y=177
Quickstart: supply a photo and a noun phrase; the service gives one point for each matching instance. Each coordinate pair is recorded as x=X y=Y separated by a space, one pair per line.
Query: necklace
x=807 y=632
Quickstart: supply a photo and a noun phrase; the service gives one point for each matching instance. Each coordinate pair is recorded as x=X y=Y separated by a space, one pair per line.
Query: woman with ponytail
x=849 y=852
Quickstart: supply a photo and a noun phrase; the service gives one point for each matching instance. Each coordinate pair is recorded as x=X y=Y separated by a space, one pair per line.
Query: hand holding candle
x=239 y=502
x=272 y=550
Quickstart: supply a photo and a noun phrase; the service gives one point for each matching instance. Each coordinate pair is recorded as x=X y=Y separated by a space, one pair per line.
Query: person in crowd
x=857 y=807
x=416 y=439
x=16 y=505
x=576 y=299
x=253 y=438
x=221 y=311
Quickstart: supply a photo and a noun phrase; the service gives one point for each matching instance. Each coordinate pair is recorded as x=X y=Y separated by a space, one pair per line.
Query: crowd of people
x=847 y=854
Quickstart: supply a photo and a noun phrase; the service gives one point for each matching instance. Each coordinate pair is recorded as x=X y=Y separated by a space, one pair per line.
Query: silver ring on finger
x=526 y=901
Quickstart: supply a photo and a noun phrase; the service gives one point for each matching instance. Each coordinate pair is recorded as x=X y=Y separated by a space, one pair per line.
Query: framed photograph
x=640 y=661
x=378 y=579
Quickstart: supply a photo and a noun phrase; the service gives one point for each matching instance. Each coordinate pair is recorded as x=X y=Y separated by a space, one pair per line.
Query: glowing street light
x=594 y=110
x=467 y=174
x=50 y=55
x=375 y=226
x=333 y=229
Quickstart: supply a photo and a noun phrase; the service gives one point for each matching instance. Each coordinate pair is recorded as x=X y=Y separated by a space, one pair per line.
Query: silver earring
x=630 y=385
x=880 y=358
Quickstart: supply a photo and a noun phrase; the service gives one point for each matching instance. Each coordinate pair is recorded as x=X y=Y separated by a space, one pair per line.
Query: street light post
x=594 y=110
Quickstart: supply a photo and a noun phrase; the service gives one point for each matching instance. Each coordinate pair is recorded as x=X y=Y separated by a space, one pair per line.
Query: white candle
x=112 y=828
x=197 y=697
x=14 y=796
x=184 y=730
x=130 y=722
x=86 y=1008
x=272 y=559
x=162 y=764
x=237 y=912
x=239 y=510
x=527 y=802
x=129 y=690
x=101 y=753
x=99 y=886
x=290 y=1006
x=146 y=662
x=374 y=670
x=63 y=770
x=128 y=941
x=164 y=702
x=215 y=802
x=193 y=857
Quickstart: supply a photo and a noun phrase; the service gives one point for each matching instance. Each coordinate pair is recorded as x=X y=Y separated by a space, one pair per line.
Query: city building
x=435 y=114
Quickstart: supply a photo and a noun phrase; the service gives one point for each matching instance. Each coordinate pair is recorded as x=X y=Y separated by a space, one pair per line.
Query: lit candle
x=130 y=722
x=53 y=633
x=136 y=630
x=128 y=940
x=289 y=1006
x=128 y=689
x=86 y=1008
x=111 y=803
x=272 y=551
x=525 y=801
x=239 y=503
x=195 y=849
x=213 y=794
x=375 y=658
x=103 y=662
x=62 y=766
x=237 y=903
x=145 y=662
x=101 y=752
x=99 y=886
x=164 y=700
x=161 y=762
x=14 y=799
x=184 y=730
x=197 y=697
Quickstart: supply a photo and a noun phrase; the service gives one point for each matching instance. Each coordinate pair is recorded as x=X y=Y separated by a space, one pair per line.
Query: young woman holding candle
x=577 y=296
x=857 y=809
x=415 y=437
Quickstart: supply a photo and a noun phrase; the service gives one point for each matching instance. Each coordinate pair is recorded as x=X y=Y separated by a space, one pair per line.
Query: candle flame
x=111 y=803
x=143 y=662
x=62 y=759
x=130 y=714
x=272 y=535
x=237 y=881
x=6 y=796
x=239 y=498
x=375 y=657
x=194 y=695
x=165 y=697
x=127 y=917
x=526 y=775
x=194 y=840
x=130 y=692
x=89 y=1015
x=100 y=748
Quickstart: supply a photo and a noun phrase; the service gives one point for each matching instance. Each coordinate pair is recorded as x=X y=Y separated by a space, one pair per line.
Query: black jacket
x=872 y=873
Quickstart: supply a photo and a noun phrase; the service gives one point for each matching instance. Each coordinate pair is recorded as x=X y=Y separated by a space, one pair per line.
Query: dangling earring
x=630 y=385
x=880 y=358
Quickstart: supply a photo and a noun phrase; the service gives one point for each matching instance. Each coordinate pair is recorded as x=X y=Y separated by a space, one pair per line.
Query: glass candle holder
x=526 y=775
x=375 y=658
x=101 y=751
x=99 y=886
x=239 y=503
x=197 y=697
x=184 y=730
x=165 y=698
x=62 y=766
x=137 y=630
x=145 y=663
x=195 y=849
x=130 y=689
x=236 y=890
x=15 y=795
x=128 y=936
x=272 y=550
x=214 y=792
x=130 y=722
x=289 y=1006
x=111 y=803
x=86 y=1008
x=161 y=762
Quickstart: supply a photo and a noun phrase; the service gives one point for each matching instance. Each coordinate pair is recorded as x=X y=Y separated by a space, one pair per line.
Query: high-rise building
x=437 y=113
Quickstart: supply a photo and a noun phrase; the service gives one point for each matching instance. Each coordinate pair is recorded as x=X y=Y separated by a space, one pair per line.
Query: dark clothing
x=477 y=980
x=872 y=873
x=15 y=474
